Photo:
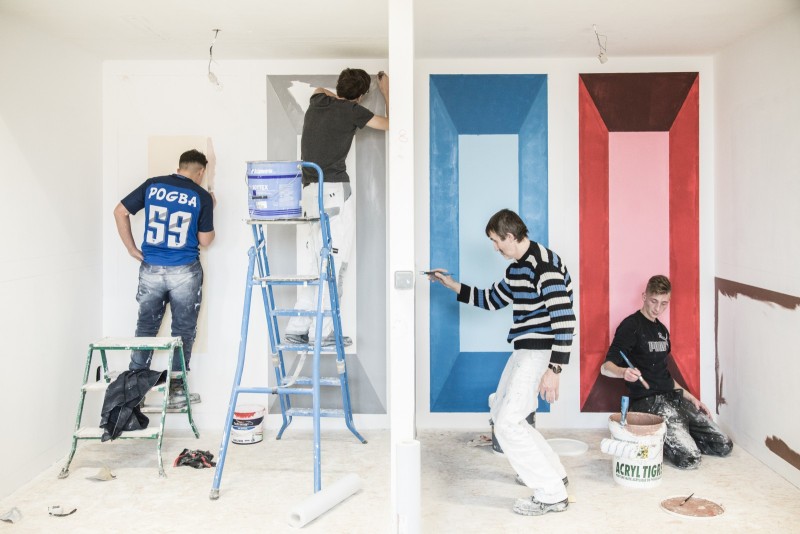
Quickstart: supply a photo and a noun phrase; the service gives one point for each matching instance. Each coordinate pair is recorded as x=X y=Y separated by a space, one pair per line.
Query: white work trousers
x=525 y=448
x=309 y=242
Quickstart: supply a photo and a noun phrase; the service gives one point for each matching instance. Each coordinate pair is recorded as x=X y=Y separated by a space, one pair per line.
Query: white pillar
x=400 y=245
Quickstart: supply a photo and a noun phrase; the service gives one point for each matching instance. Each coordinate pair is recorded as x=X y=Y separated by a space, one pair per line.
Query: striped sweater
x=540 y=289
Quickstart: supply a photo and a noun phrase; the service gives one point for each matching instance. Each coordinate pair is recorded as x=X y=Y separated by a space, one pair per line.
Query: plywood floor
x=465 y=489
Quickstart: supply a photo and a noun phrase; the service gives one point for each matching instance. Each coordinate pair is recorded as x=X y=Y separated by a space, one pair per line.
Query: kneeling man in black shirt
x=645 y=341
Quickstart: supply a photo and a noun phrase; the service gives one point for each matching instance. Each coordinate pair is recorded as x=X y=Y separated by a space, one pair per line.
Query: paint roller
x=322 y=501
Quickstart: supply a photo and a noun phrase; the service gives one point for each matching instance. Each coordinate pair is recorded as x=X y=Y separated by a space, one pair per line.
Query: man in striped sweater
x=539 y=288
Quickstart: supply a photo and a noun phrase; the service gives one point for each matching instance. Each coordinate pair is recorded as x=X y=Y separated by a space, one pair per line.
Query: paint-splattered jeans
x=341 y=209
x=181 y=286
x=524 y=447
x=690 y=432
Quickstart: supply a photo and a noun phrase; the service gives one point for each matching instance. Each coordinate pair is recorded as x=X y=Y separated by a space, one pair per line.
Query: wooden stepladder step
x=127 y=344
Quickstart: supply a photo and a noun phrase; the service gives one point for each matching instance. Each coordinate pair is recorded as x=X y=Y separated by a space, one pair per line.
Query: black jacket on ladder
x=121 y=410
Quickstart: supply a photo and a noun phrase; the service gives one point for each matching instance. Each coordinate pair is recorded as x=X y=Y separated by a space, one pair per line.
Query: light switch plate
x=403 y=279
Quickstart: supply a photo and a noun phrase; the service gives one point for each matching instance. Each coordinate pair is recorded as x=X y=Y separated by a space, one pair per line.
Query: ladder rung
x=306 y=381
x=287 y=220
x=291 y=312
x=101 y=385
x=143 y=343
x=304 y=279
x=306 y=347
x=89 y=432
x=156 y=408
x=307 y=412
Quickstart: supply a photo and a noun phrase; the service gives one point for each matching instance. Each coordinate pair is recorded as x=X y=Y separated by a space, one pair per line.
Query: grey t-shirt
x=328 y=130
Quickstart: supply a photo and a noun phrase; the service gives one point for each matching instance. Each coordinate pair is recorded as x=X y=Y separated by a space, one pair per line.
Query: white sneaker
x=531 y=506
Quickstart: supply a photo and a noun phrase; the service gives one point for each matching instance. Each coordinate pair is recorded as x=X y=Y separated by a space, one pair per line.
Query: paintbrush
x=686 y=500
x=623 y=419
x=642 y=380
x=428 y=273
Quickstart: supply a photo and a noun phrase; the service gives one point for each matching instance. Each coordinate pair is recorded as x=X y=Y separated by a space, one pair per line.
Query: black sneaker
x=531 y=506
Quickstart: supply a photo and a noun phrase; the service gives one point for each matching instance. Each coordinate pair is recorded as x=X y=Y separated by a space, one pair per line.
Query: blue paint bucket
x=274 y=189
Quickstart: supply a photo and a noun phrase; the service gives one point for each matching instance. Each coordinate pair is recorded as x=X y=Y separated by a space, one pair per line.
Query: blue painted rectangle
x=462 y=378
x=488 y=182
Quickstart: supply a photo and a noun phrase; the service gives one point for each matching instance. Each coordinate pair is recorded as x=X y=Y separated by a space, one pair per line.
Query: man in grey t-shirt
x=330 y=124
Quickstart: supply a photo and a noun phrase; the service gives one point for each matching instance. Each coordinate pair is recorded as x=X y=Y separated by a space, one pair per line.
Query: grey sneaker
x=329 y=341
x=296 y=339
x=531 y=506
x=177 y=396
x=518 y=478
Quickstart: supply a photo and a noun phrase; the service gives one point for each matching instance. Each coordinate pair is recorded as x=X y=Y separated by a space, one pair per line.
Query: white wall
x=562 y=87
x=758 y=220
x=50 y=266
x=145 y=98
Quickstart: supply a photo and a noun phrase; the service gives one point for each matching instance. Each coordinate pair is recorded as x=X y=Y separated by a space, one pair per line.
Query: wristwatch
x=555 y=368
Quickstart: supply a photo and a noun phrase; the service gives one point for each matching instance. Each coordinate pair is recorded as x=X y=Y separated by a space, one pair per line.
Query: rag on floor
x=121 y=410
x=197 y=459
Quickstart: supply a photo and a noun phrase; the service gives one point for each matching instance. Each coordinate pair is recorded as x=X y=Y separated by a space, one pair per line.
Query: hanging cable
x=211 y=76
x=602 y=57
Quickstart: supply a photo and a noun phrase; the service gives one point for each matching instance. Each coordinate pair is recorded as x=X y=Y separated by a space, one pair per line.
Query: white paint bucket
x=274 y=189
x=248 y=424
x=646 y=430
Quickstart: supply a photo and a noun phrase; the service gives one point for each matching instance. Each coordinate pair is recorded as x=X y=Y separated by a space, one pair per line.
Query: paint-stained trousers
x=690 y=433
x=309 y=241
x=525 y=448
x=179 y=285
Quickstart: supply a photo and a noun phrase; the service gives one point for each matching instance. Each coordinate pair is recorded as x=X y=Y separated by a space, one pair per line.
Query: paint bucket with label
x=642 y=468
x=248 y=424
x=274 y=189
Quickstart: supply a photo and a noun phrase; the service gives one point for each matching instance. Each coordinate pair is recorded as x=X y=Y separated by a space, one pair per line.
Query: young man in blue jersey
x=329 y=126
x=539 y=288
x=645 y=342
x=179 y=219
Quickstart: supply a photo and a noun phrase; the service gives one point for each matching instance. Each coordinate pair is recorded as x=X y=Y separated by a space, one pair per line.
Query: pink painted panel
x=638 y=220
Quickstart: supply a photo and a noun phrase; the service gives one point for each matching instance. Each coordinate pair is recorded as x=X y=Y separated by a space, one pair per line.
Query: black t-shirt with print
x=646 y=344
x=329 y=126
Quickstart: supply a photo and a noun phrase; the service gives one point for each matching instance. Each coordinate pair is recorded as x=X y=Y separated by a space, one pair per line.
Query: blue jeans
x=182 y=287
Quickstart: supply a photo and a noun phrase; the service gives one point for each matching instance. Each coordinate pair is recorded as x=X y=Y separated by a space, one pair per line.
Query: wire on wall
x=602 y=56
x=211 y=76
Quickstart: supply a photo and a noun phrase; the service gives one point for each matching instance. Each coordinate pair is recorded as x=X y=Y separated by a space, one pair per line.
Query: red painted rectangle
x=684 y=242
x=593 y=201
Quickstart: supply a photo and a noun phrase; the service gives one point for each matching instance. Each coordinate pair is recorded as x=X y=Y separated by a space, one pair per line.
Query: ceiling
x=295 y=29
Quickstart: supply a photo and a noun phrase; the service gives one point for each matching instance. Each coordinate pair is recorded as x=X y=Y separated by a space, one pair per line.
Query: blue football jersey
x=176 y=209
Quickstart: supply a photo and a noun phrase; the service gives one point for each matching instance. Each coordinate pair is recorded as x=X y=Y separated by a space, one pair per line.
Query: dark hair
x=352 y=84
x=658 y=285
x=507 y=222
x=192 y=156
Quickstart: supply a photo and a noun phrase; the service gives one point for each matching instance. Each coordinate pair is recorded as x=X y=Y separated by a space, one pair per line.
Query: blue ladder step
x=287 y=280
x=308 y=412
x=291 y=312
x=306 y=381
x=306 y=347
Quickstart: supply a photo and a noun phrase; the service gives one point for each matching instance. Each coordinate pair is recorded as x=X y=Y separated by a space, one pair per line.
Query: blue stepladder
x=294 y=384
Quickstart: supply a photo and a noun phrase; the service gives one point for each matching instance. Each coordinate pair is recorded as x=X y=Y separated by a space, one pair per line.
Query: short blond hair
x=658 y=285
